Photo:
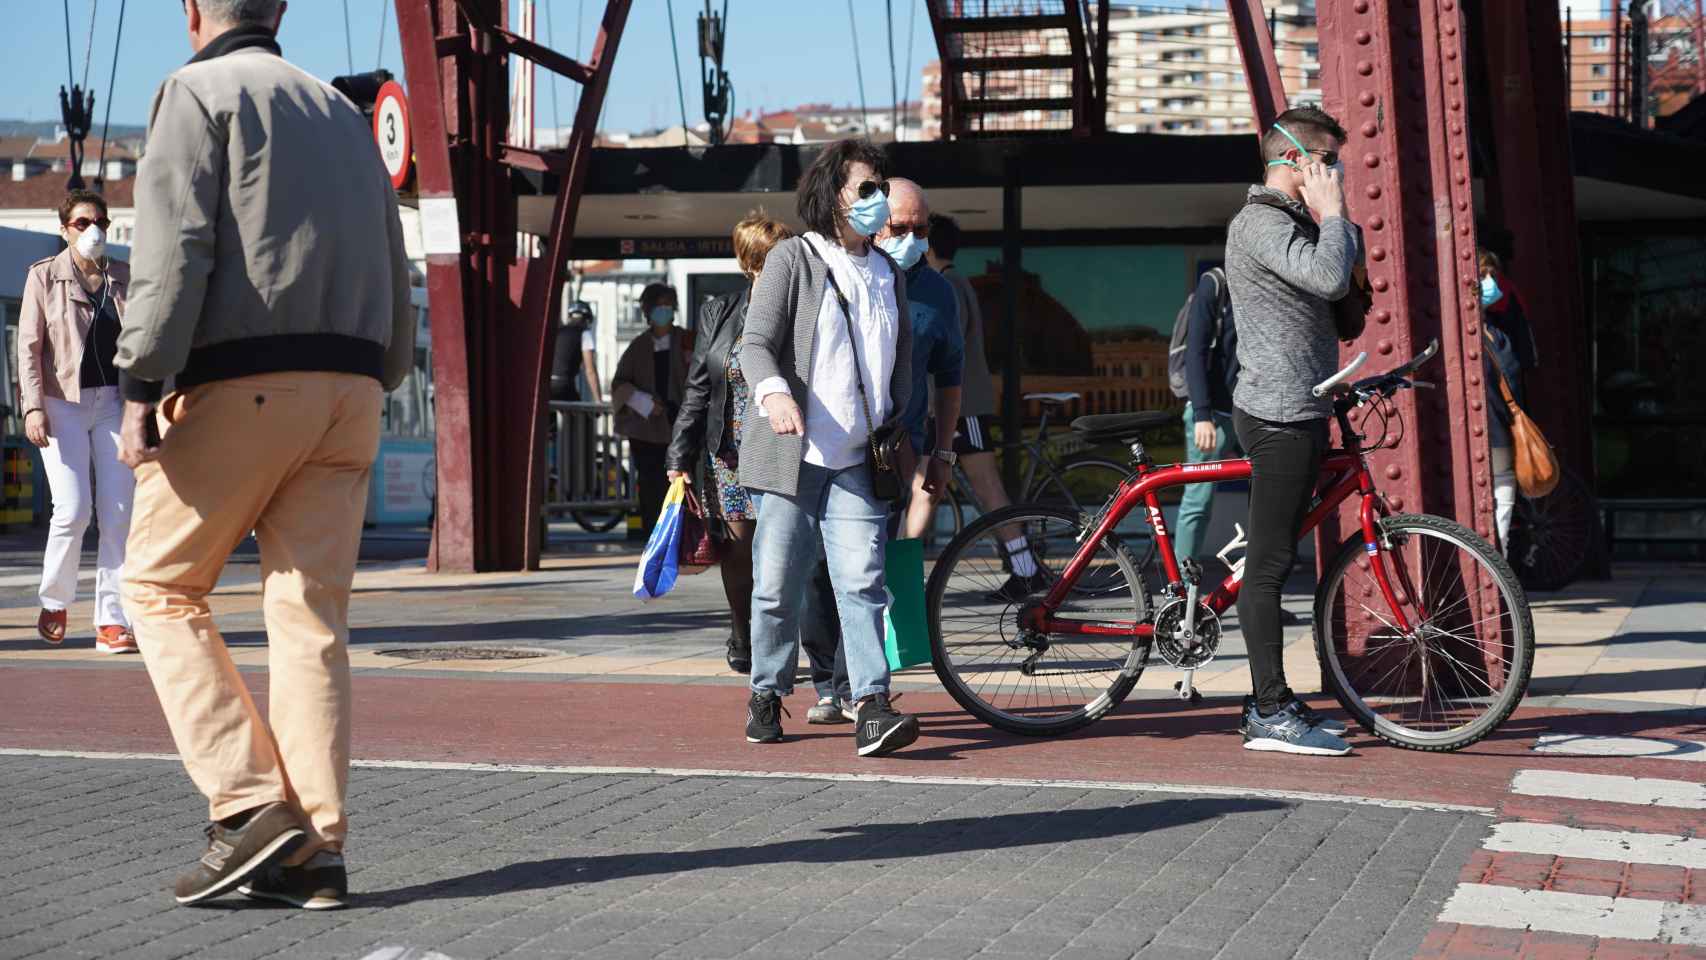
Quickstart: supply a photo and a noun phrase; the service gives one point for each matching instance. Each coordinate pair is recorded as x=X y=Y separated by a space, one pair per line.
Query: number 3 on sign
x=391 y=132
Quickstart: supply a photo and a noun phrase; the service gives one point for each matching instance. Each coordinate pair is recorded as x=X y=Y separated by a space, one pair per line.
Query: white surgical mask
x=92 y=243
x=905 y=249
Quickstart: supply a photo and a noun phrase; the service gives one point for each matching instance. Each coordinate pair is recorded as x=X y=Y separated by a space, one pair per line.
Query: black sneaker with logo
x=879 y=729
x=764 y=718
x=318 y=883
x=235 y=853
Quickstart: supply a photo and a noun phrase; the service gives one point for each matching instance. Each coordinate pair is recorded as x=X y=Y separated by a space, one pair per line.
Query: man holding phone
x=278 y=302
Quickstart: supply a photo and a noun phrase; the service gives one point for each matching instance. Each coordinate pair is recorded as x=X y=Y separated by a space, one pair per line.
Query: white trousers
x=1504 y=493
x=84 y=448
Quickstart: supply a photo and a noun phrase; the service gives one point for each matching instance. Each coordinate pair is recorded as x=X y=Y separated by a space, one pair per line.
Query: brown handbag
x=1537 y=470
x=700 y=549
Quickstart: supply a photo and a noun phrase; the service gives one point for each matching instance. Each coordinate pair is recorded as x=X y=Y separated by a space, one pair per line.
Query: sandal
x=51 y=626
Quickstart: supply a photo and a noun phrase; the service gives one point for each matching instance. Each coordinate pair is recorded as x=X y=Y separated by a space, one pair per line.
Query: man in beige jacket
x=270 y=284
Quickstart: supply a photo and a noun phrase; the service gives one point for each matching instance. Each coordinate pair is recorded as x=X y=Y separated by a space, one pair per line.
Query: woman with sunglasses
x=67 y=339
x=828 y=351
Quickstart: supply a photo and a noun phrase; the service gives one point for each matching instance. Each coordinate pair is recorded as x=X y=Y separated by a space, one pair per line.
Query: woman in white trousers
x=67 y=339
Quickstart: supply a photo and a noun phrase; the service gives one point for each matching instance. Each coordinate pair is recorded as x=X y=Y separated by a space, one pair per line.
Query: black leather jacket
x=704 y=407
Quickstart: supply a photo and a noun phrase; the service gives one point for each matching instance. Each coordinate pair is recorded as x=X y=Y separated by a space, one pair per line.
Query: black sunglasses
x=1328 y=157
x=868 y=187
x=83 y=223
x=919 y=230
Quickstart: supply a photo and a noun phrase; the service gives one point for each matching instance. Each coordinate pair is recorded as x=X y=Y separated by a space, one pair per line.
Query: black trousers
x=650 y=469
x=1285 y=461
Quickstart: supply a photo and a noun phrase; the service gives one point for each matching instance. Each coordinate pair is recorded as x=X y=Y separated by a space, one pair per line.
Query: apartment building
x=1170 y=71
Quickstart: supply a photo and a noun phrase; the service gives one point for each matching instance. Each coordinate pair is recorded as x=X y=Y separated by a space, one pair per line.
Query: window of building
x=1127 y=128
x=1601 y=96
x=1601 y=44
x=1600 y=69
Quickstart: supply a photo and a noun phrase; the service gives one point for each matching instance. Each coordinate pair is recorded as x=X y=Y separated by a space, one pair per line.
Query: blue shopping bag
x=660 y=563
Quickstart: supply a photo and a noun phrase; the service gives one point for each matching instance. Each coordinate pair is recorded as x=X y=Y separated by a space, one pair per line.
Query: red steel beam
x=543 y=291
x=1393 y=73
x=1261 y=68
x=418 y=25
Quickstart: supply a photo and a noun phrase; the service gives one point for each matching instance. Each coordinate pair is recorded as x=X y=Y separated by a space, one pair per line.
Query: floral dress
x=735 y=502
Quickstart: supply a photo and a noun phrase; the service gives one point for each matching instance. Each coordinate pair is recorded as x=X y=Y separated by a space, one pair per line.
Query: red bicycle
x=1422 y=630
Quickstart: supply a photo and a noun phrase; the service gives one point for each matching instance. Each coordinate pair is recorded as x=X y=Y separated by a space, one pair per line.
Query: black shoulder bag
x=882 y=451
x=1350 y=312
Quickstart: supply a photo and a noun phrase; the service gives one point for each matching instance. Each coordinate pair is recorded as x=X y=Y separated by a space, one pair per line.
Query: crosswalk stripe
x=1645 y=791
x=1622 y=846
x=1488 y=905
x=1652 y=748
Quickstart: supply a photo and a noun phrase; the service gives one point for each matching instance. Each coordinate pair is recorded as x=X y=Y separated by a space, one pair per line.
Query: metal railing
x=589 y=471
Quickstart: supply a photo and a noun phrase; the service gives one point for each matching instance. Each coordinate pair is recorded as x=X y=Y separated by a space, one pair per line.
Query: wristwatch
x=948 y=457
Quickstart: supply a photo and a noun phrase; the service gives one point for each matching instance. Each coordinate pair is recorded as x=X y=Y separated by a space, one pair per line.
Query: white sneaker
x=829 y=710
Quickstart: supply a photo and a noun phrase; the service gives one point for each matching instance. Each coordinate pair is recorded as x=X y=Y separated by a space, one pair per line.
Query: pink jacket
x=57 y=314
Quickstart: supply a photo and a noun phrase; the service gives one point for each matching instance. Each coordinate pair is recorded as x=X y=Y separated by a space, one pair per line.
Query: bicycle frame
x=1344 y=474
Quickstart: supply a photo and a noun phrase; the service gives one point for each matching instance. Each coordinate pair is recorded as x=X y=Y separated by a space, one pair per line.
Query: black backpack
x=1181 y=329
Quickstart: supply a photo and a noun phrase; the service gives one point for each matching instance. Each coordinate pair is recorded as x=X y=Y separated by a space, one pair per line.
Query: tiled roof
x=61 y=150
x=44 y=191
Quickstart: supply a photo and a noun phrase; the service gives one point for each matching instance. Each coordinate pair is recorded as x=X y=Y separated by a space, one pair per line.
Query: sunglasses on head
x=868 y=187
x=83 y=223
x=901 y=228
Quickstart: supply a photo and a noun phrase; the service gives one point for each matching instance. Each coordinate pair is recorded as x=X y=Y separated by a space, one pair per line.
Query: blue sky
x=779 y=53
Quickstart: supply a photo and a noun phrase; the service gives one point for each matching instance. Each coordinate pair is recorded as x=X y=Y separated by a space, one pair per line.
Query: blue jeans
x=836 y=515
x=1196 y=506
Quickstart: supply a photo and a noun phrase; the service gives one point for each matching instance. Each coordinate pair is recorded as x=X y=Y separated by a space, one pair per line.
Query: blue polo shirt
x=938 y=344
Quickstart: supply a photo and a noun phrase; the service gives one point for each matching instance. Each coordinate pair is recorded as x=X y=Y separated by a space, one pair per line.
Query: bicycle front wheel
x=1015 y=679
x=1462 y=666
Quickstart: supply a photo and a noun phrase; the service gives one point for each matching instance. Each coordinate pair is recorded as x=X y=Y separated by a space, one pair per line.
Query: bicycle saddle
x=1109 y=427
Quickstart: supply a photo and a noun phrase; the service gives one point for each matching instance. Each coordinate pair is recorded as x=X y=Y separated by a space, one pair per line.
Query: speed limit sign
x=391 y=132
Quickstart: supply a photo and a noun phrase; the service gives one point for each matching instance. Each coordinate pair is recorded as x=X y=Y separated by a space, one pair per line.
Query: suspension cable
x=89 y=51
x=894 y=81
x=551 y=41
x=384 y=21
x=906 y=91
x=675 y=54
x=859 y=68
x=349 y=50
x=112 y=85
x=70 y=67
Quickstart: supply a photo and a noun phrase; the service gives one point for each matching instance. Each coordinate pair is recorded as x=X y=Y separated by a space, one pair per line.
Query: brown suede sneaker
x=235 y=853
x=319 y=883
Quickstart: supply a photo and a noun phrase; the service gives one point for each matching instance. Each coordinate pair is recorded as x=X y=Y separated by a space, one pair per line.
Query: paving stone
x=479 y=865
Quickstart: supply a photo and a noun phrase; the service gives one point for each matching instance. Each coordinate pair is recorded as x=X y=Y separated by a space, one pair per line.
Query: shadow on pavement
x=851 y=844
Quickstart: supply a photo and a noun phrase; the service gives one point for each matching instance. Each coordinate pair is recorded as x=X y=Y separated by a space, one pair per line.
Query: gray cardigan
x=781 y=335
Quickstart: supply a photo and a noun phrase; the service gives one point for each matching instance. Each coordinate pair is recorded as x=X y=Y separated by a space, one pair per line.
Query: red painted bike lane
x=700 y=726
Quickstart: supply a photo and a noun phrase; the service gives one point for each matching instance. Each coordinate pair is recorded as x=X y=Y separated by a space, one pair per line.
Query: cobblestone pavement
x=474 y=864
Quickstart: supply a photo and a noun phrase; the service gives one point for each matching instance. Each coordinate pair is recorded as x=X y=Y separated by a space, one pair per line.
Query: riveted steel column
x=1393 y=73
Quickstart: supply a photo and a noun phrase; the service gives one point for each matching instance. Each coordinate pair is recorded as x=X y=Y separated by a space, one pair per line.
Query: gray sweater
x=781 y=333
x=1283 y=284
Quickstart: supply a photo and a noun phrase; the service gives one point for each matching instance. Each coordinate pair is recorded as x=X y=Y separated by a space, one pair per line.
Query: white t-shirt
x=836 y=429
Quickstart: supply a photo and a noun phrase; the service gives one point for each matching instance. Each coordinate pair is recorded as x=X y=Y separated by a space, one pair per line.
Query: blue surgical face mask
x=906 y=249
x=662 y=316
x=870 y=214
x=1490 y=292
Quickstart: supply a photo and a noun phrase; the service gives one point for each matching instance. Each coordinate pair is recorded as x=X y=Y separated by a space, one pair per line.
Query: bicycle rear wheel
x=1464 y=664
x=1011 y=678
x=1552 y=537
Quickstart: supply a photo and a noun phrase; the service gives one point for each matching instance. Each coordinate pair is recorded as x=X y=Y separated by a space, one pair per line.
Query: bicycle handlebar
x=1326 y=386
